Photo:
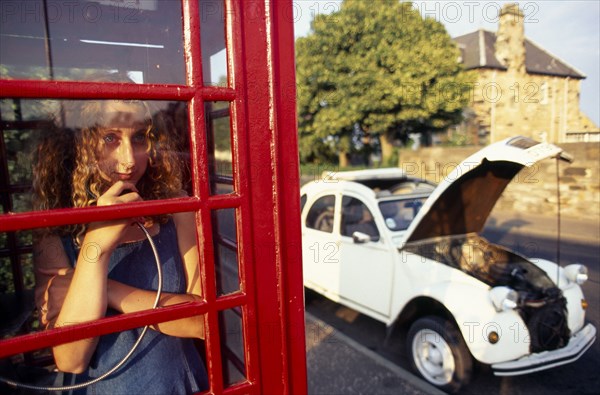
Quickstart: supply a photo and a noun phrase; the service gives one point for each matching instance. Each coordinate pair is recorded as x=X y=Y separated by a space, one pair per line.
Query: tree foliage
x=379 y=65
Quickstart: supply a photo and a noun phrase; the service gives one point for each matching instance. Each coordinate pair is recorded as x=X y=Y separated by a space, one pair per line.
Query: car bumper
x=578 y=344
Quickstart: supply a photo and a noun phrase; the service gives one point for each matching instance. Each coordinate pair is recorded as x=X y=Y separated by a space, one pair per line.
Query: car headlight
x=504 y=298
x=576 y=273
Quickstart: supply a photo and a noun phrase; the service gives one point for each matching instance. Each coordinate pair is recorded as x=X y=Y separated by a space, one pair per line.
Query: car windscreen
x=399 y=213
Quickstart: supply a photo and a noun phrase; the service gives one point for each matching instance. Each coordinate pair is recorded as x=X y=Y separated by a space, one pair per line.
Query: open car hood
x=462 y=202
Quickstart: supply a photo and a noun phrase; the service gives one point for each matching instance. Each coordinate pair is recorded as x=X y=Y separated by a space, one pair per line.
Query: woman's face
x=124 y=145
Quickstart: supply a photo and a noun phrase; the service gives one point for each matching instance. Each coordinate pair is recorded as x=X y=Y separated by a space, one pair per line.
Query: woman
x=118 y=154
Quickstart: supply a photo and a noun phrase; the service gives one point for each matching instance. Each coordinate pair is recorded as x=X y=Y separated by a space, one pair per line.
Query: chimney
x=510 y=39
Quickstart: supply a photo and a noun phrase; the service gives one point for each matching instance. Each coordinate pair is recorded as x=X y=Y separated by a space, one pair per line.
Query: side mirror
x=360 y=237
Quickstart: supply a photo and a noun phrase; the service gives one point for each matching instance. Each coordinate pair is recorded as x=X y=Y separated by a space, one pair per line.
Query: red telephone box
x=224 y=72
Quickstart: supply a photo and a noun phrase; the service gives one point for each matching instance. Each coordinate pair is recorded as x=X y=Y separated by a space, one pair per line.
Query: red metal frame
x=259 y=37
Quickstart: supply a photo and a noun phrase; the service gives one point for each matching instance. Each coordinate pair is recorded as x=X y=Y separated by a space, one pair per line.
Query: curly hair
x=66 y=171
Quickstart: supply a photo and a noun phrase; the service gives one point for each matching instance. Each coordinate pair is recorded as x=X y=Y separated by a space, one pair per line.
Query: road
x=580 y=377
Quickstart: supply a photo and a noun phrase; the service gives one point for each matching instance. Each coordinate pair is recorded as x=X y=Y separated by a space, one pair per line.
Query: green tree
x=379 y=65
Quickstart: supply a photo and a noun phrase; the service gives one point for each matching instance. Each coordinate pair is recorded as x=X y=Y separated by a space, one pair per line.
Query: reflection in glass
x=130 y=265
x=21 y=202
x=212 y=37
x=17 y=159
x=49 y=137
x=25 y=238
x=356 y=217
x=232 y=346
x=6 y=276
x=73 y=40
x=15 y=261
x=95 y=149
x=399 y=213
x=225 y=244
x=218 y=128
x=16 y=289
x=320 y=215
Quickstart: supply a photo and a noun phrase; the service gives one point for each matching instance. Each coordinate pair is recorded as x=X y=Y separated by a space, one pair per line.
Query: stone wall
x=534 y=190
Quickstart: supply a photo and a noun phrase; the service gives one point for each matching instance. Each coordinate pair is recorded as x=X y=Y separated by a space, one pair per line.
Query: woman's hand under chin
x=109 y=234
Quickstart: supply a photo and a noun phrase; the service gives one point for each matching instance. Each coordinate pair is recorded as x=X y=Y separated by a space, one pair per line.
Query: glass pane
x=26 y=261
x=16 y=294
x=6 y=276
x=218 y=128
x=320 y=215
x=356 y=217
x=21 y=202
x=131 y=263
x=74 y=40
x=232 y=346
x=398 y=214
x=212 y=37
x=226 y=258
x=17 y=259
x=17 y=160
x=78 y=149
x=25 y=238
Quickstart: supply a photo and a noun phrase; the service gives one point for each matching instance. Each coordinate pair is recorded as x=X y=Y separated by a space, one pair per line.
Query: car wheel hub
x=433 y=357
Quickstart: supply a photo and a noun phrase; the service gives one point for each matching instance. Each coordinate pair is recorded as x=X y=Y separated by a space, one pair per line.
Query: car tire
x=438 y=353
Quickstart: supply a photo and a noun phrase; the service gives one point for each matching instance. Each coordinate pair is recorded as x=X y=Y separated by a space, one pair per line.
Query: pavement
x=339 y=365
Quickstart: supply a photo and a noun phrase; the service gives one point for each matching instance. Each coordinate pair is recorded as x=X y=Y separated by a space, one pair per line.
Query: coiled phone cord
x=16 y=384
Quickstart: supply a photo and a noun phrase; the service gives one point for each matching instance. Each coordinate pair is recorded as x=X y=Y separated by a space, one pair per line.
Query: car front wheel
x=439 y=354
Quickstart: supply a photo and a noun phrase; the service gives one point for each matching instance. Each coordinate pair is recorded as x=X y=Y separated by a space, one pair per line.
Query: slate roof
x=477 y=51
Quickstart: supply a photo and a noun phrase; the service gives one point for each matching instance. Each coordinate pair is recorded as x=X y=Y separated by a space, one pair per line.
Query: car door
x=320 y=245
x=366 y=267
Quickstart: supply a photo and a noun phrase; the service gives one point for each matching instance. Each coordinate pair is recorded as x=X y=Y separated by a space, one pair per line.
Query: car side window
x=356 y=217
x=321 y=213
x=303 y=199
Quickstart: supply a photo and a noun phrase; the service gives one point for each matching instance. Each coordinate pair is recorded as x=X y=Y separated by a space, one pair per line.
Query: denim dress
x=162 y=364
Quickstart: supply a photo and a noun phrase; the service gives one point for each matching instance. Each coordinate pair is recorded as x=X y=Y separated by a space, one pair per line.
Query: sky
x=569 y=30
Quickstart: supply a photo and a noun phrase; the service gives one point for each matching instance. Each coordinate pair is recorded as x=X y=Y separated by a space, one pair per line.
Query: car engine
x=540 y=304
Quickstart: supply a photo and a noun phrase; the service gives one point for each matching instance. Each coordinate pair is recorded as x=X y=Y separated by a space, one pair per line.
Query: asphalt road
x=580 y=377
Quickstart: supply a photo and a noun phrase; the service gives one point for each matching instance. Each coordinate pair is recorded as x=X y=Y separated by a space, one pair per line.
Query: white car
x=409 y=254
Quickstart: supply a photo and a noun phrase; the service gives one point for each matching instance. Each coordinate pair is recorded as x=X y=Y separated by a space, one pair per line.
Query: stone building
x=521 y=88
